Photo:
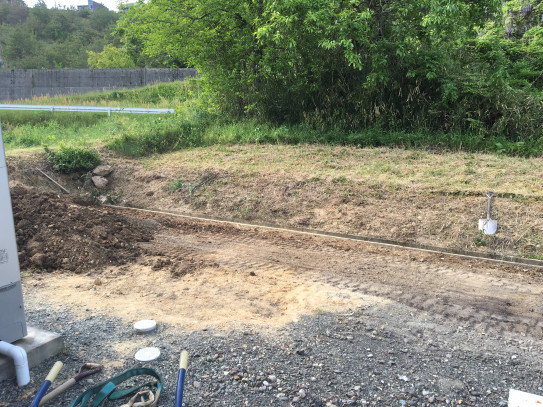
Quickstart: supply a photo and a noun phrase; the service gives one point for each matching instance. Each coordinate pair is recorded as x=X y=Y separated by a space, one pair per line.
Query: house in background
x=123 y=7
x=92 y=6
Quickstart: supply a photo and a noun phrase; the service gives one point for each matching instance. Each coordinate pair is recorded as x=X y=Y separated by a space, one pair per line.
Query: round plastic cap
x=147 y=354
x=144 y=326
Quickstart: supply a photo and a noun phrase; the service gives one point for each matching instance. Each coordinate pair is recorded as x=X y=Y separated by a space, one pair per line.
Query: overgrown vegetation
x=428 y=74
x=198 y=123
x=157 y=135
x=170 y=133
x=73 y=159
x=33 y=129
x=161 y=95
x=447 y=67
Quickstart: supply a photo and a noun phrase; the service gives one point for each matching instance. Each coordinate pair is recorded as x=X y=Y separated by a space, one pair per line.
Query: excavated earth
x=65 y=233
x=271 y=316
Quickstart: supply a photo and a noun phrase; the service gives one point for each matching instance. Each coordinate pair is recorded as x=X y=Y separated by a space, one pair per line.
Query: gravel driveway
x=387 y=355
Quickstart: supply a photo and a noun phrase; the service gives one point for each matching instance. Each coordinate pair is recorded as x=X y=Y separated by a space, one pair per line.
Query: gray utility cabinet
x=12 y=316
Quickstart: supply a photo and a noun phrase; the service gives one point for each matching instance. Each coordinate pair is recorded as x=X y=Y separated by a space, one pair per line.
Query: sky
x=110 y=4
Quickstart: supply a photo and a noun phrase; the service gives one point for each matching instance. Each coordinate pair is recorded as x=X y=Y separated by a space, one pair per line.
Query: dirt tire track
x=485 y=296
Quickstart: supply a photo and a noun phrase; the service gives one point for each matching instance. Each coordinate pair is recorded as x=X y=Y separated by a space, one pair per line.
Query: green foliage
x=39 y=37
x=137 y=30
x=11 y=14
x=177 y=184
x=161 y=95
x=445 y=66
x=196 y=124
x=73 y=159
x=23 y=129
x=31 y=129
x=110 y=57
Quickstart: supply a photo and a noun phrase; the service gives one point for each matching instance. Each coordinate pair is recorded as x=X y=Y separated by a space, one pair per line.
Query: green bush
x=71 y=159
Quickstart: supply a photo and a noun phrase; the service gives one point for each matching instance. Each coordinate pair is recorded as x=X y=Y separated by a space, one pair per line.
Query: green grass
x=160 y=95
x=22 y=129
x=177 y=184
x=34 y=129
x=196 y=124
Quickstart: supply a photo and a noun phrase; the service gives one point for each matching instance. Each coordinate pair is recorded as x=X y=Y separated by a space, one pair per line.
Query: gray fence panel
x=17 y=84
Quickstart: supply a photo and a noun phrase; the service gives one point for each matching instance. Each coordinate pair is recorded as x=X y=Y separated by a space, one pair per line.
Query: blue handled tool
x=48 y=380
x=183 y=362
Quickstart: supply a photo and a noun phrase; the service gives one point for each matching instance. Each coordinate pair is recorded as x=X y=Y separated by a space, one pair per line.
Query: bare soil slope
x=407 y=196
x=236 y=275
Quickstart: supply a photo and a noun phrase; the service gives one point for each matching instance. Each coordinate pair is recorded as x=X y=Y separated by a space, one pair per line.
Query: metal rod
x=93 y=109
x=52 y=180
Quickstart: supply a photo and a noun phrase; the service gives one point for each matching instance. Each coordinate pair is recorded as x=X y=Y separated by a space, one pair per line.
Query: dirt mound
x=59 y=233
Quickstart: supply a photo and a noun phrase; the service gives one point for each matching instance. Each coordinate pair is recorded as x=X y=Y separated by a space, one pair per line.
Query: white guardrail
x=94 y=109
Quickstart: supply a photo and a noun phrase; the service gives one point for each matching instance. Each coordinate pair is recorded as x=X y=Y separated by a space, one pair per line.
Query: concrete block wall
x=19 y=84
x=15 y=84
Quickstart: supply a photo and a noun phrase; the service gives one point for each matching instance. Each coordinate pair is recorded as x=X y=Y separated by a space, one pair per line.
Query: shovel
x=86 y=370
x=48 y=380
x=183 y=362
x=488 y=226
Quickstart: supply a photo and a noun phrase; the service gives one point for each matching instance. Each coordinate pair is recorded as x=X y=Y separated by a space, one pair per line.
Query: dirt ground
x=83 y=263
x=65 y=233
x=234 y=276
x=413 y=197
x=228 y=274
x=137 y=264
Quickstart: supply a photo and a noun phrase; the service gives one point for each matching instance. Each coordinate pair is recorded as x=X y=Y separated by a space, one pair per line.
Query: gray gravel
x=386 y=356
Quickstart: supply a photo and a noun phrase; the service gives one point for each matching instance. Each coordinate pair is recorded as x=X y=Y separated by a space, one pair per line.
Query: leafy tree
x=138 y=31
x=51 y=38
x=58 y=28
x=288 y=58
x=13 y=13
x=110 y=57
x=432 y=64
x=102 y=18
x=20 y=47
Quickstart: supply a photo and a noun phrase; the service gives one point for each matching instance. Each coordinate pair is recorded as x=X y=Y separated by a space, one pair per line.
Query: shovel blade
x=488 y=226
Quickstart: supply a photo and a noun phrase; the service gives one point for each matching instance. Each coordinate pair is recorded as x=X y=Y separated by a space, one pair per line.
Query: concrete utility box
x=12 y=317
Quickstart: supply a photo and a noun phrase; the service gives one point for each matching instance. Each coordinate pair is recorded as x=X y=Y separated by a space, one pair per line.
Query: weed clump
x=73 y=159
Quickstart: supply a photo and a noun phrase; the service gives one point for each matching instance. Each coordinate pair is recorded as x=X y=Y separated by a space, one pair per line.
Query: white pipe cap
x=145 y=326
x=147 y=354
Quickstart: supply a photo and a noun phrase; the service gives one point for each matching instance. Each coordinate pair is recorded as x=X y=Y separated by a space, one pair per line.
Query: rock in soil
x=99 y=182
x=103 y=170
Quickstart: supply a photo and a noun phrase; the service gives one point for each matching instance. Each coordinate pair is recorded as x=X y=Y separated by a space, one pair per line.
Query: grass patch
x=31 y=129
x=157 y=135
x=25 y=129
x=177 y=184
x=253 y=132
x=161 y=95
